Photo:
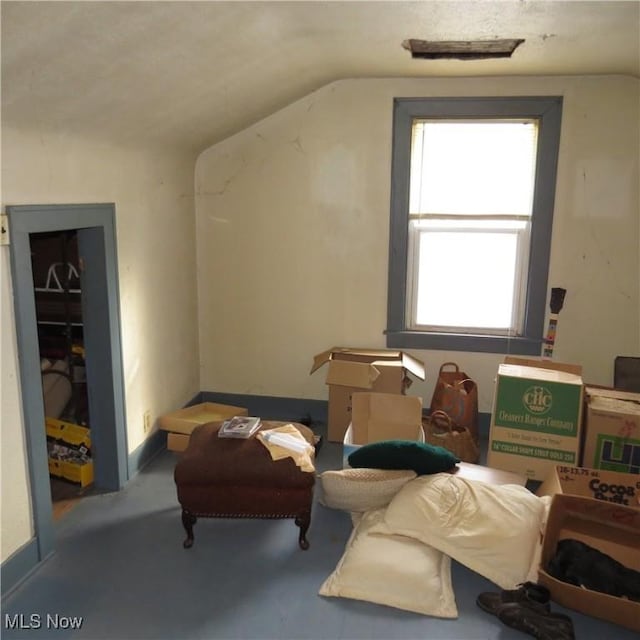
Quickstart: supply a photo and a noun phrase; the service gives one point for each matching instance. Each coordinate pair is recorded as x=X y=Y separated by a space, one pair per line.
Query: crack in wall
x=297 y=145
x=227 y=183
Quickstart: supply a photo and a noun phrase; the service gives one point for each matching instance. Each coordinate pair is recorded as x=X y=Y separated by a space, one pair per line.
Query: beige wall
x=292 y=221
x=293 y=227
x=153 y=195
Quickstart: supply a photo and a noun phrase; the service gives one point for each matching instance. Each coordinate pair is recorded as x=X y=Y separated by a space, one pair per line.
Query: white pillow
x=361 y=489
x=492 y=529
x=394 y=571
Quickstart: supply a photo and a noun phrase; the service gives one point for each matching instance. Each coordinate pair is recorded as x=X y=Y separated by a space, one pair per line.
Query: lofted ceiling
x=190 y=74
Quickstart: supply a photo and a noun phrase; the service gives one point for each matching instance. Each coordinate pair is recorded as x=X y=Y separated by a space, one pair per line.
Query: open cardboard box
x=610 y=528
x=351 y=370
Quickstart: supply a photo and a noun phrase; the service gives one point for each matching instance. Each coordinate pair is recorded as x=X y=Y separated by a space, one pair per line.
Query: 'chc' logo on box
x=537 y=399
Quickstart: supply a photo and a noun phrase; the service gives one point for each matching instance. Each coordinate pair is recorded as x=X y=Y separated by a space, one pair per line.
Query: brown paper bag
x=456 y=394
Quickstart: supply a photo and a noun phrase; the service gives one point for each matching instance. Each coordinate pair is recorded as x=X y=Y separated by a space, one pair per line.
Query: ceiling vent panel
x=462 y=49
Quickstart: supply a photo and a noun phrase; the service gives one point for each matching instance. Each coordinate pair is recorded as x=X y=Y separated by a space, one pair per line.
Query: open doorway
x=94 y=228
x=57 y=285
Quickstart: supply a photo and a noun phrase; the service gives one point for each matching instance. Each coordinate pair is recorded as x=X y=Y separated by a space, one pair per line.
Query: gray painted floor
x=120 y=566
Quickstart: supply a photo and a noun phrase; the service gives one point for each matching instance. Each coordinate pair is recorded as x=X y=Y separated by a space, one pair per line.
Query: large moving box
x=181 y=423
x=536 y=419
x=612 y=430
x=350 y=370
x=611 y=529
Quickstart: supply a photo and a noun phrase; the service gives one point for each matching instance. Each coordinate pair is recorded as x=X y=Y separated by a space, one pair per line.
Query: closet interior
x=57 y=284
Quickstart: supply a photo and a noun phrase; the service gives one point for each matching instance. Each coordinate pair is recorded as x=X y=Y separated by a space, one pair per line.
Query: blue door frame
x=95 y=224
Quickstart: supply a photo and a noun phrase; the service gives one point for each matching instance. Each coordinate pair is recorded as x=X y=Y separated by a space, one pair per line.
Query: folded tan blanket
x=300 y=450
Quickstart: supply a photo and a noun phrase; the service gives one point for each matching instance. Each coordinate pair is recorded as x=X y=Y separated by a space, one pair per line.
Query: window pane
x=472 y=167
x=466 y=279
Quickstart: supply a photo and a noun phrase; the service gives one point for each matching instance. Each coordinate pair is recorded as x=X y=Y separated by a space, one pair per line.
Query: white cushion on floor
x=394 y=571
x=492 y=529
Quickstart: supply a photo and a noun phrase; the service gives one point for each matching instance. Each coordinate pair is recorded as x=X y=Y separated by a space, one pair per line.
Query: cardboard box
x=187 y=419
x=350 y=370
x=382 y=416
x=348 y=446
x=537 y=417
x=177 y=441
x=181 y=423
x=610 y=528
x=612 y=430
x=609 y=486
x=539 y=363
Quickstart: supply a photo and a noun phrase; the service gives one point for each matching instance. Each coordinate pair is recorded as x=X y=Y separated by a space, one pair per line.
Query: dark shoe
x=529 y=593
x=535 y=622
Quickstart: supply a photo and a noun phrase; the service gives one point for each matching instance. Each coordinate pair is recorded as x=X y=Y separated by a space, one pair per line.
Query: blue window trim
x=548 y=110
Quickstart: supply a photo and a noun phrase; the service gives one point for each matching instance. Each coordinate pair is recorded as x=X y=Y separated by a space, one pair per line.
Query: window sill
x=456 y=342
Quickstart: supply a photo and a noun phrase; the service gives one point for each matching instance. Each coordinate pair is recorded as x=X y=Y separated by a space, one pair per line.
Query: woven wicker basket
x=440 y=430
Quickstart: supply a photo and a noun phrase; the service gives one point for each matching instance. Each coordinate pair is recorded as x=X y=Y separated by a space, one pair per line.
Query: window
x=473 y=184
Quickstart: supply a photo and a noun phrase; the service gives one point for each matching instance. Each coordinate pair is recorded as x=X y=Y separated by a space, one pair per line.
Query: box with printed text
x=609 y=486
x=536 y=418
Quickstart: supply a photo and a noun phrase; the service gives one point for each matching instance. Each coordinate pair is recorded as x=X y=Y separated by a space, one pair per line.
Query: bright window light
x=471 y=194
x=482 y=167
x=485 y=294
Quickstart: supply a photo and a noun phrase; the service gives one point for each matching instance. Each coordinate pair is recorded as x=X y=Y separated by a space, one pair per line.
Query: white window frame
x=526 y=338
x=475 y=225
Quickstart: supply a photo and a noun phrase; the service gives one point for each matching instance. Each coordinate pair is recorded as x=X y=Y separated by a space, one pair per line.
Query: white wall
x=14 y=488
x=293 y=228
x=153 y=195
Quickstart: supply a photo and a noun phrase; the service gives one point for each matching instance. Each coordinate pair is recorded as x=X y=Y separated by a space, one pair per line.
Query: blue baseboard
x=273 y=408
x=18 y=566
x=149 y=449
x=294 y=409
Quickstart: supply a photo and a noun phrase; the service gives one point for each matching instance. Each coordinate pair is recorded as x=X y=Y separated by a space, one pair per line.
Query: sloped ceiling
x=190 y=74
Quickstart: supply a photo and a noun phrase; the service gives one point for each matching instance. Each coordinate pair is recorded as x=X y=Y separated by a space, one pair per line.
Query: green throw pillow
x=421 y=457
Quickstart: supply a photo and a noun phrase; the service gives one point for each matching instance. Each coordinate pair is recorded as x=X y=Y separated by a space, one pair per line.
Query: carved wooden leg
x=188 y=520
x=303 y=521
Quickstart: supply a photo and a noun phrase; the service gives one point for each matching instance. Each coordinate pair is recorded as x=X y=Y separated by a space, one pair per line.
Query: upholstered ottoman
x=237 y=478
